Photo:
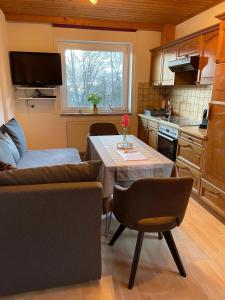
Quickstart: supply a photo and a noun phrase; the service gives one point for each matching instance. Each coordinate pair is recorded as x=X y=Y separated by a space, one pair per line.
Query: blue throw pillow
x=15 y=131
x=5 y=137
x=5 y=154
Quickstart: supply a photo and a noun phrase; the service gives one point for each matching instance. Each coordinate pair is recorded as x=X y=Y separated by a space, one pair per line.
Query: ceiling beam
x=168 y=33
x=84 y=23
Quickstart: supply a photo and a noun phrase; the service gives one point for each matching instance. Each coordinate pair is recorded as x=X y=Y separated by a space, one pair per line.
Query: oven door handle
x=166 y=137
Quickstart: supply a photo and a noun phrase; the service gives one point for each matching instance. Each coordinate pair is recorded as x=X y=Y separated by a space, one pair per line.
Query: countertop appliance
x=184 y=64
x=155 y=112
x=204 y=123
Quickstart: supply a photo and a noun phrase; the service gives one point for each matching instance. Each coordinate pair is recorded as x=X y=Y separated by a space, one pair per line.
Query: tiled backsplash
x=187 y=101
x=149 y=97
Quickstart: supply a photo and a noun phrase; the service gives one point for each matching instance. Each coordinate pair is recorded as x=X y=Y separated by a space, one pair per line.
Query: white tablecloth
x=116 y=170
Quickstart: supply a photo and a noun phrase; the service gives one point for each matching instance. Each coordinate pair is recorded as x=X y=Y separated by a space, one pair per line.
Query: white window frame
x=126 y=48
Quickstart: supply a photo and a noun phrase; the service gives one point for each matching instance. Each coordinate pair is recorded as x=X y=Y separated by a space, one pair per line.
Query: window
x=96 y=67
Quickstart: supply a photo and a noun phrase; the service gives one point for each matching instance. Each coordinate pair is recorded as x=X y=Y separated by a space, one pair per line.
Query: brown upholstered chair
x=99 y=129
x=103 y=129
x=152 y=205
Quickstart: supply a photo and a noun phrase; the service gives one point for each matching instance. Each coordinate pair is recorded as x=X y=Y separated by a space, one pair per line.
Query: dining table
x=124 y=166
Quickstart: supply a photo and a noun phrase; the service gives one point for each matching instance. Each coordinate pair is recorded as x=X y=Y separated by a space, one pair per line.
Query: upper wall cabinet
x=203 y=44
x=207 y=63
x=156 y=68
x=167 y=75
x=221 y=44
x=190 y=47
x=218 y=92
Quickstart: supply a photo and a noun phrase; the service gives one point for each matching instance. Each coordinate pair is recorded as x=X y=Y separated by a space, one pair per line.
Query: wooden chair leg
x=160 y=235
x=136 y=259
x=173 y=249
x=117 y=234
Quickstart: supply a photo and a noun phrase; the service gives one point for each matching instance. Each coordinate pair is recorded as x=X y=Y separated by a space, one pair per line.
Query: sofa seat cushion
x=49 y=157
x=15 y=131
x=81 y=172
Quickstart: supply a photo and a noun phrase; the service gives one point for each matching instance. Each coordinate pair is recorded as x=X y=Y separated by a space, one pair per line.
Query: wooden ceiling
x=126 y=11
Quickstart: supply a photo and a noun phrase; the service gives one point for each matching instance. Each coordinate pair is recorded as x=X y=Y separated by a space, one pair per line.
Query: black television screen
x=36 y=68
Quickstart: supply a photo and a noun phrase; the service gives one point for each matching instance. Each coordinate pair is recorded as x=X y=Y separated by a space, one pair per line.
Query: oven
x=167 y=141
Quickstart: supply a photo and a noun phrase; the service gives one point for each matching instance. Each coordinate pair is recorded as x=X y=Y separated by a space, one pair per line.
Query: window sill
x=88 y=114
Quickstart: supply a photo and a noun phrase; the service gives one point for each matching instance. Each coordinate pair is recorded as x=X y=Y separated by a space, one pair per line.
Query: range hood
x=184 y=64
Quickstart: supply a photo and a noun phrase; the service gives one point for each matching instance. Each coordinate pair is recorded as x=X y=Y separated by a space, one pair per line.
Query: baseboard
x=208 y=208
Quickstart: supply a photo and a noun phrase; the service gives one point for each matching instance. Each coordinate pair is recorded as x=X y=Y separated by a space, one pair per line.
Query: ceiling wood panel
x=131 y=11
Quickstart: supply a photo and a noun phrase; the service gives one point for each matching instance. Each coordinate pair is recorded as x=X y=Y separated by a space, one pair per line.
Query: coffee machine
x=204 y=123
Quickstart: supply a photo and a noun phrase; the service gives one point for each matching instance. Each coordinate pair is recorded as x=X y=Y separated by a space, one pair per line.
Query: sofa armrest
x=50 y=235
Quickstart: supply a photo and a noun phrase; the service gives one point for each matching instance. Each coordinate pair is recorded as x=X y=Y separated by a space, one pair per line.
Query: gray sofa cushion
x=15 y=153
x=49 y=157
x=5 y=153
x=16 y=133
x=82 y=172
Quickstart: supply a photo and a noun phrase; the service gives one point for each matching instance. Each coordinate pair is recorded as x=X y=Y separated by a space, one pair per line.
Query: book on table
x=132 y=155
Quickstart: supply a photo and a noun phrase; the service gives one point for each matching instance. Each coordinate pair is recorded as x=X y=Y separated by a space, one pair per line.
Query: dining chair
x=103 y=129
x=99 y=129
x=152 y=205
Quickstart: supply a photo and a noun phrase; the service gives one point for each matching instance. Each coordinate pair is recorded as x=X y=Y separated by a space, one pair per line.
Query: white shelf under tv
x=34 y=98
x=35 y=88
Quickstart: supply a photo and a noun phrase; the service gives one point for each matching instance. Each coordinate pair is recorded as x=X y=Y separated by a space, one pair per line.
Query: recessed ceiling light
x=94 y=1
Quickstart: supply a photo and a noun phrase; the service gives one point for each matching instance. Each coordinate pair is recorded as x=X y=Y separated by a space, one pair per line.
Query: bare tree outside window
x=94 y=72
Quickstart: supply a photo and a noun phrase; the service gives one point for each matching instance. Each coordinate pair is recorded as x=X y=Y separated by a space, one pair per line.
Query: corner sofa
x=50 y=216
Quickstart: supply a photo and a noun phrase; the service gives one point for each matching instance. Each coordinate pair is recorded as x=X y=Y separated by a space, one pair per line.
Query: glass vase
x=125 y=141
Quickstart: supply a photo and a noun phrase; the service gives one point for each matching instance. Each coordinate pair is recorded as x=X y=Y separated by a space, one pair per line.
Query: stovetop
x=179 y=121
x=170 y=127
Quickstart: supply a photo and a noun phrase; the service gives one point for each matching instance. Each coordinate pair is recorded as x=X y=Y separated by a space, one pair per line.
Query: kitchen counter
x=195 y=131
x=155 y=119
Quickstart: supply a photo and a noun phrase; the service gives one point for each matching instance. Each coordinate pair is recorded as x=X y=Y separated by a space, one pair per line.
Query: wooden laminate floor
x=201 y=243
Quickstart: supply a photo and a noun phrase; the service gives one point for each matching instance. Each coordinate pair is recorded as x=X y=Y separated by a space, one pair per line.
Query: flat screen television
x=36 y=68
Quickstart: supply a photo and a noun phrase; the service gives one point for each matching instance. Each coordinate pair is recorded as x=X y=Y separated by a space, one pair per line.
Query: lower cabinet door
x=188 y=151
x=143 y=130
x=185 y=170
x=213 y=196
x=153 y=138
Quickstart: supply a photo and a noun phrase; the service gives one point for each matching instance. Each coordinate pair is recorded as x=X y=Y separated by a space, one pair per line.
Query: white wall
x=6 y=94
x=200 y=21
x=43 y=125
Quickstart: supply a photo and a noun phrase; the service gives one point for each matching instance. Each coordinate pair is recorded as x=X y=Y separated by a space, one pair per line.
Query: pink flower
x=125 y=121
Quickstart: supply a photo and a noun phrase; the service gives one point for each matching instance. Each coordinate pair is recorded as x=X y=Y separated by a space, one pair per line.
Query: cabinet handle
x=213 y=193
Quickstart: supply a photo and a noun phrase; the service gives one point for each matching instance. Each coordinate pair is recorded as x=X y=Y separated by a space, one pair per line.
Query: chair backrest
x=103 y=129
x=153 y=198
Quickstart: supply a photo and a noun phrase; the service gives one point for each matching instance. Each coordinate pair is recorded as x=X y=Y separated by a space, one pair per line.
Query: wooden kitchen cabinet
x=212 y=196
x=185 y=170
x=220 y=58
x=153 y=135
x=214 y=166
x=203 y=44
x=207 y=62
x=167 y=75
x=190 y=155
x=143 y=129
x=218 y=92
x=148 y=130
x=156 y=68
x=190 y=47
